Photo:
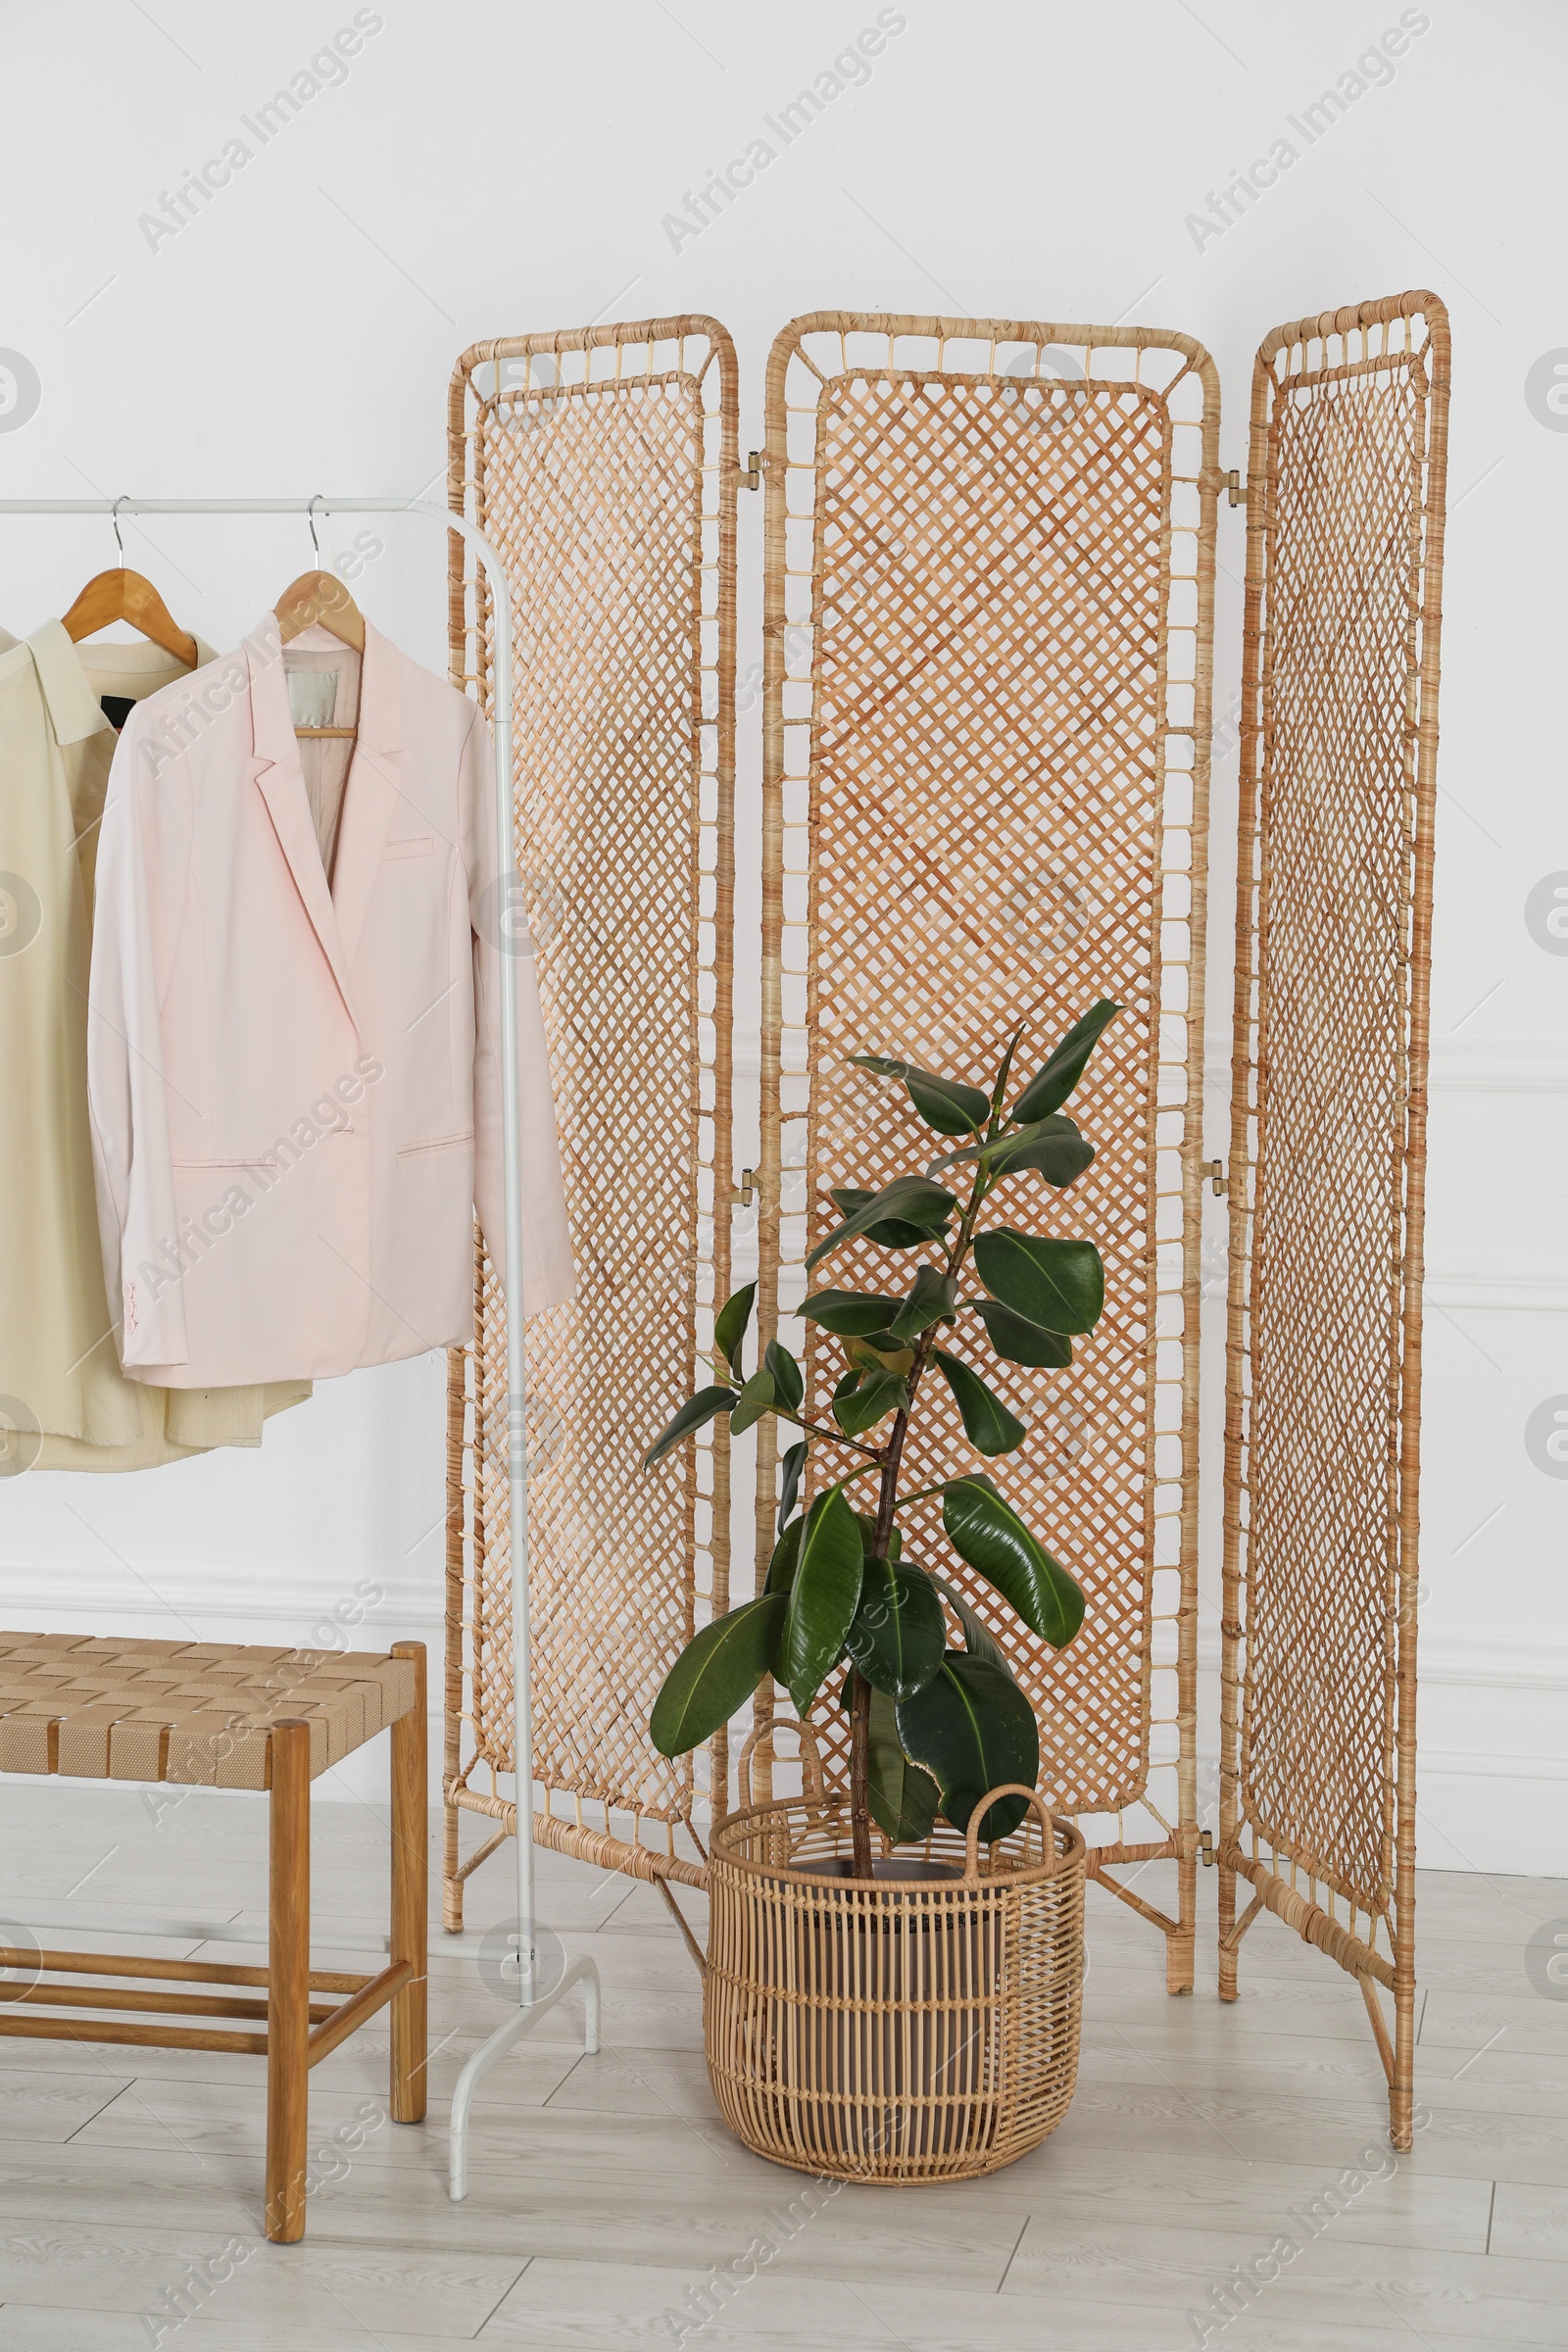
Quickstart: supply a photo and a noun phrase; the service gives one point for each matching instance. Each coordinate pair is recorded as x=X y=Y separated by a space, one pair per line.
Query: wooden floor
x=607 y=2195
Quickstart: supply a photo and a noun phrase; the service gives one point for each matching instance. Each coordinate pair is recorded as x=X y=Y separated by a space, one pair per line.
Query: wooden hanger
x=123 y=595
x=319 y=596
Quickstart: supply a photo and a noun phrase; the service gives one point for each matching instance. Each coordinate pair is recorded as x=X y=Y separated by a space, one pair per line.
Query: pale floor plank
x=39 y=2104
x=91 y=2186
x=1529 y=2220
x=36 y=2327
x=1120 y=2119
x=1467 y=2022
x=613 y=2216
x=1326 y=2278
x=610 y=2307
x=172 y=2274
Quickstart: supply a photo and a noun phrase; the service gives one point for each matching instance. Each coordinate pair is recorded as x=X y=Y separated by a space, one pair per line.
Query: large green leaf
x=716 y=1673
x=898 y=1634
x=903 y=1800
x=932 y=1300
x=985 y=1530
x=786 y=1558
x=987 y=1422
x=978 y=1639
x=912 y=1203
x=973 y=1730
x=945 y=1104
x=889 y=1232
x=849 y=1314
x=869 y=1402
x=1059 y=1284
x=822 y=1597
x=788 y=1386
x=692 y=1416
x=1020 y=1342
x=729 y=1326
x=1051 y=1086
x=1053 y=1147
x=793 y=1464
x=755 y=1399
x=999 y=1089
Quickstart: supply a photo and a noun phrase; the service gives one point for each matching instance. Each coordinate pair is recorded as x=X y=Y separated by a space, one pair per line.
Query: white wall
x=504 y=168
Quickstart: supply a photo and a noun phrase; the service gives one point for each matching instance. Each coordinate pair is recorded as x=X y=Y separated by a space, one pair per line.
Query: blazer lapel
x=280 y=781
x=373 y=792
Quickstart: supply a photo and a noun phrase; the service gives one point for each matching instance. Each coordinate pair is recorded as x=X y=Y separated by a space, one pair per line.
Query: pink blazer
x=296 y=1090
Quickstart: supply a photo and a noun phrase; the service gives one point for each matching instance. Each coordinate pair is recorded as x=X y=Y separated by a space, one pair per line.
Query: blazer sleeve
x=142 y=870
x=503 y=956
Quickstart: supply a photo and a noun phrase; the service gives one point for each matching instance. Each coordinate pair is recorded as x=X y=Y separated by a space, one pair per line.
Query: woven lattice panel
x=991 y=553
x=602 y=464
x=1339 y=731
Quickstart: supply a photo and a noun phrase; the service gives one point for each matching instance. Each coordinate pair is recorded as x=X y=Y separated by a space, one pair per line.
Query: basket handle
x=810 y=1764
x=971 y=1845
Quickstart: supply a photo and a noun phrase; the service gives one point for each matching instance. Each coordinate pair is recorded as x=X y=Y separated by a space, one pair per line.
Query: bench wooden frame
x=288 y=2027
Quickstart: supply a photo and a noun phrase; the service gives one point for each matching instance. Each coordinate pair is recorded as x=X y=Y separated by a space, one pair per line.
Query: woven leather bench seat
x=230 y=1715
x=200 y=1713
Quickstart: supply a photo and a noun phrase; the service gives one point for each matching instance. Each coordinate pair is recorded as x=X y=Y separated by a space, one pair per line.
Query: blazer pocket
x=437 y=1143
x=416 y=845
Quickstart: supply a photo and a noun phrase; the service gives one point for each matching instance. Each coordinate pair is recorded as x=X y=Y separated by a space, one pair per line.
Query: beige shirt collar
x=68 y=690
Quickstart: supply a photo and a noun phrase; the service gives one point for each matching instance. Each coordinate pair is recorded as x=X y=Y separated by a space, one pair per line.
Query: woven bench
x=218 y=1715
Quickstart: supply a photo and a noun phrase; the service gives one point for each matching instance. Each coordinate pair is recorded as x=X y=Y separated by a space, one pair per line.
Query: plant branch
x=820 y=1429
x=850 y=1476
x=920 y=1494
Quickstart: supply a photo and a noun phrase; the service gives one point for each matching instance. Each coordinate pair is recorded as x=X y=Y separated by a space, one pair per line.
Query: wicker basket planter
x=905 y=2030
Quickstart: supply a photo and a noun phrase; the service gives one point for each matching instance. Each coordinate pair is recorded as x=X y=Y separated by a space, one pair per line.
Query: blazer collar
x=74 y=708
x=371 y=793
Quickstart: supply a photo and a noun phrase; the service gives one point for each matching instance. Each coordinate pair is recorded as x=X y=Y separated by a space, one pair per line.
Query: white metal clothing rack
x=532 y=2000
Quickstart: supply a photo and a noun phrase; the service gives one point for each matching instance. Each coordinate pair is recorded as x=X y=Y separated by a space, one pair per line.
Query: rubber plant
x=931 y=1728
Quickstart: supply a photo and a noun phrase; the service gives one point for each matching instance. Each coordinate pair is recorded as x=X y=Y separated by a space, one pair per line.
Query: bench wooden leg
x=288 y=1984
x=411 y=1895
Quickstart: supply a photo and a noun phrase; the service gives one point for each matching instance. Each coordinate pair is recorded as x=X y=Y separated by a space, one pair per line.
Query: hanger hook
x=114 y=516
x=310 y=516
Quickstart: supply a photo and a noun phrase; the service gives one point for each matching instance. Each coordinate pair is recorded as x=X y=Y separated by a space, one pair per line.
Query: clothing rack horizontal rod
x=533 y=1998
x=319 y=504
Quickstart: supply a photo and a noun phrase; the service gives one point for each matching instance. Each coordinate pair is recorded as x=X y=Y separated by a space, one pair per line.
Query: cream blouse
x=65 y=1403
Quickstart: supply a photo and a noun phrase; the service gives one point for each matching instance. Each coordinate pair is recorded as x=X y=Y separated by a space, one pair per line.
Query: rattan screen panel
x=1345 y=522
x=988 y=622
x=603 y=465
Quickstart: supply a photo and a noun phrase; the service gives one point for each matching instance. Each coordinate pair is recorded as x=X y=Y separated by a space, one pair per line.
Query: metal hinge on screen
x=1206 y=1846
x=1214 y=1170
x=750 y=476
x=741 y=1194
x=1233 y=486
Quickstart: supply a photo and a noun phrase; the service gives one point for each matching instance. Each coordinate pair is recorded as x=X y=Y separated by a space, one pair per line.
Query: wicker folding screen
x=1344 y=493
x=988 y=616
x=602 y=463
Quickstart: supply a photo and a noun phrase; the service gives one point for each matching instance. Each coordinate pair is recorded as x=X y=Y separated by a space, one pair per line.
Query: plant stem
x=861 y=1698
x=861 y=1774
x=888 y=1502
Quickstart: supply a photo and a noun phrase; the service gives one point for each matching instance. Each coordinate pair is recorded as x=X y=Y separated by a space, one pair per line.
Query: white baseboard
x=1514 y=1064
x=1505 y=1290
